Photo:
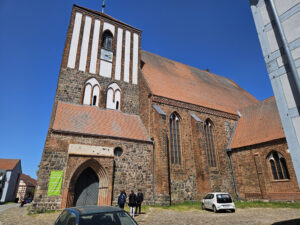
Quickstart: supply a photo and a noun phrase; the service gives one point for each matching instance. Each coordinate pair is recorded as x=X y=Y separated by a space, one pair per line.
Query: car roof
x=219 y=193
x=93 y=209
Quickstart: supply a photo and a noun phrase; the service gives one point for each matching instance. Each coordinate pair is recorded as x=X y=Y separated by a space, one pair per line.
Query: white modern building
x=278 y=26
x=10 y=172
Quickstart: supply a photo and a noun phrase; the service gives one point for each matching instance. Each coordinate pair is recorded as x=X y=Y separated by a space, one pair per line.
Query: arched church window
x=91 y=92
x=278 y=166
x=175 y=139
x=107 y=40
x=210 y=147
x=113 y=98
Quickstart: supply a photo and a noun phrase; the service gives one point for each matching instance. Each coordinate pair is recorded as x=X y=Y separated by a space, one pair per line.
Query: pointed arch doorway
x=86 y=188
x=89 y=183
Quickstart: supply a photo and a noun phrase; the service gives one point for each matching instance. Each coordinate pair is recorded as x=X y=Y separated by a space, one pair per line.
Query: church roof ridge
x=175 y=80
x=260 y=122
x=106 y=16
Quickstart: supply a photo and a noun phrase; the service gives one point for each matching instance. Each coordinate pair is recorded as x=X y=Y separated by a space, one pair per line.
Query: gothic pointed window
x=210 y=146
x=91 y=92
x=113 y=97
x=278 y=166
x=175 y=139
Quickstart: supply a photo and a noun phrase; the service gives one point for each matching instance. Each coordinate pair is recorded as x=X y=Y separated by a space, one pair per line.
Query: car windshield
x=111 y=218
x=224 y=198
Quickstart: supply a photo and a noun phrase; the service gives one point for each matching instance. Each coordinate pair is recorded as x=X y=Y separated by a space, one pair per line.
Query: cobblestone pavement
x=7 y=206
x=251 y=216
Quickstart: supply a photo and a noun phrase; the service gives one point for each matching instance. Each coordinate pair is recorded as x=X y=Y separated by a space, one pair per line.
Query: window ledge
x=281 y=180
x=213 y=169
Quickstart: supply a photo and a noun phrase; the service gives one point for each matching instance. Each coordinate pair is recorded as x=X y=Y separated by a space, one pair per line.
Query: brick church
x=124 y=118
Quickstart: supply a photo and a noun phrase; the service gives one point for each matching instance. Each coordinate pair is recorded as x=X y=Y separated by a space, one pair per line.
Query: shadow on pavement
x=288 y=222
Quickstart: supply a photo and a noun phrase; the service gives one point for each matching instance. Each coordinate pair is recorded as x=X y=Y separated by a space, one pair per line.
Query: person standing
x=132 y=203
x=139 y=200
x=122 y=199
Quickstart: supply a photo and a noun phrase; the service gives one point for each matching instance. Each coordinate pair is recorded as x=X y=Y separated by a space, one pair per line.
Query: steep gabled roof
x=181 y=82
x=8 y=164
x=259 y=123
x=91 y=120
x=28 y=180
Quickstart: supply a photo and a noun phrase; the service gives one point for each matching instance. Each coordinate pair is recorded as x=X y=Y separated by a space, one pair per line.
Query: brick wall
x=193 y=178
x=253 y=172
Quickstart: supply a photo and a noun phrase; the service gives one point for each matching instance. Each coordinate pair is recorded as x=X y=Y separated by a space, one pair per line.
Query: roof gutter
x=294 y=78
x=229 y=152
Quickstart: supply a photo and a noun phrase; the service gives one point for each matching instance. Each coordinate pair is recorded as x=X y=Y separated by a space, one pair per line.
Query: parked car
x=94 y=215
x=218 y=201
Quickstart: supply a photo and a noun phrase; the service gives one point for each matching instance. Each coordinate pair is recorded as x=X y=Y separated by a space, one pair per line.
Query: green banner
x=55 y=182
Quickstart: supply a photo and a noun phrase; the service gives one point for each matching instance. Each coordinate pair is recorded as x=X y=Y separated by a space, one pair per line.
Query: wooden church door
x=86 y=188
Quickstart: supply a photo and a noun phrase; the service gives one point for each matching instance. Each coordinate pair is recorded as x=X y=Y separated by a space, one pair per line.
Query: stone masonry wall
x=70 y=88
x=132 y=170
x=51 y=160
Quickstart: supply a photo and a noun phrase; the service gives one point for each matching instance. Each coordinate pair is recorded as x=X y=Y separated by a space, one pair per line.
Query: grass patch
x=185 y=206
x=188 y=206
x=261 y=204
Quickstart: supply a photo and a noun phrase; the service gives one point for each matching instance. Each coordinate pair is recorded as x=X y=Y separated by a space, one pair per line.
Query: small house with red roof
x=26 y=187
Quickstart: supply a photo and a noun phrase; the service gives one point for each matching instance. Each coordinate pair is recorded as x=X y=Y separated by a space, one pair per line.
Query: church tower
x=100 y=62
x=96 y=141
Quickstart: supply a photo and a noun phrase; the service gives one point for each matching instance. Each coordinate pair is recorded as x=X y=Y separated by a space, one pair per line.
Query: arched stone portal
x=77 y=192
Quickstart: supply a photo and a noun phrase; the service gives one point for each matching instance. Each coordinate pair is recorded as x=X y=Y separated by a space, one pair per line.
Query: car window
x=224 y=198
x=112 y=218
x=71 y=219
x=63 y=218
x=211 y=196
x=207 y=196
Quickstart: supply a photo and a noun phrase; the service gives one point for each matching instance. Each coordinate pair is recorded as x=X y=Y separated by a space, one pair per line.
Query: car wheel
x=215 y=209
x=202 y=207
x=233 y=210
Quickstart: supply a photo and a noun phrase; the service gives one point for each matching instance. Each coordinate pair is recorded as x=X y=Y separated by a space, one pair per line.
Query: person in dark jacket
x=139 y=200
x=132 y=203
x=122 y=199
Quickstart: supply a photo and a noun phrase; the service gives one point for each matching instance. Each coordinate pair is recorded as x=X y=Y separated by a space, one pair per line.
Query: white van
x=218 y=201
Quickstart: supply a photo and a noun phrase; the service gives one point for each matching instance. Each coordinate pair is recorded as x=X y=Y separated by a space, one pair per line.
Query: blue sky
x=215 y=34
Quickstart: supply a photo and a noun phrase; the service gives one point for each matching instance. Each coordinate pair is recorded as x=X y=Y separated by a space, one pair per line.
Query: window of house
x=210 y=147
x=113 y=97
x=278 y=166
x=91 y=92
x=175 y=139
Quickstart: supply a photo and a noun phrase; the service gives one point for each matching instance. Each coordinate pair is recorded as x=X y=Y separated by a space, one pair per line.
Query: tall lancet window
x=113 y=98
x=175 y=139
x=210 y=147
x=91 y=92
x=278 y=166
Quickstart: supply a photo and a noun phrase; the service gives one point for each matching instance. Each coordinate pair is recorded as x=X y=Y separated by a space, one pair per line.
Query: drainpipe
x=295 y=77
x=229 y=152
x=153 y=171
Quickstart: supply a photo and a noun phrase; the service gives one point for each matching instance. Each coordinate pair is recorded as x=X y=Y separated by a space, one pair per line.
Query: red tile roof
x=8 y=164
x=92 y=120
x=28 y=180
x=184 y=83
x=259 y=123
